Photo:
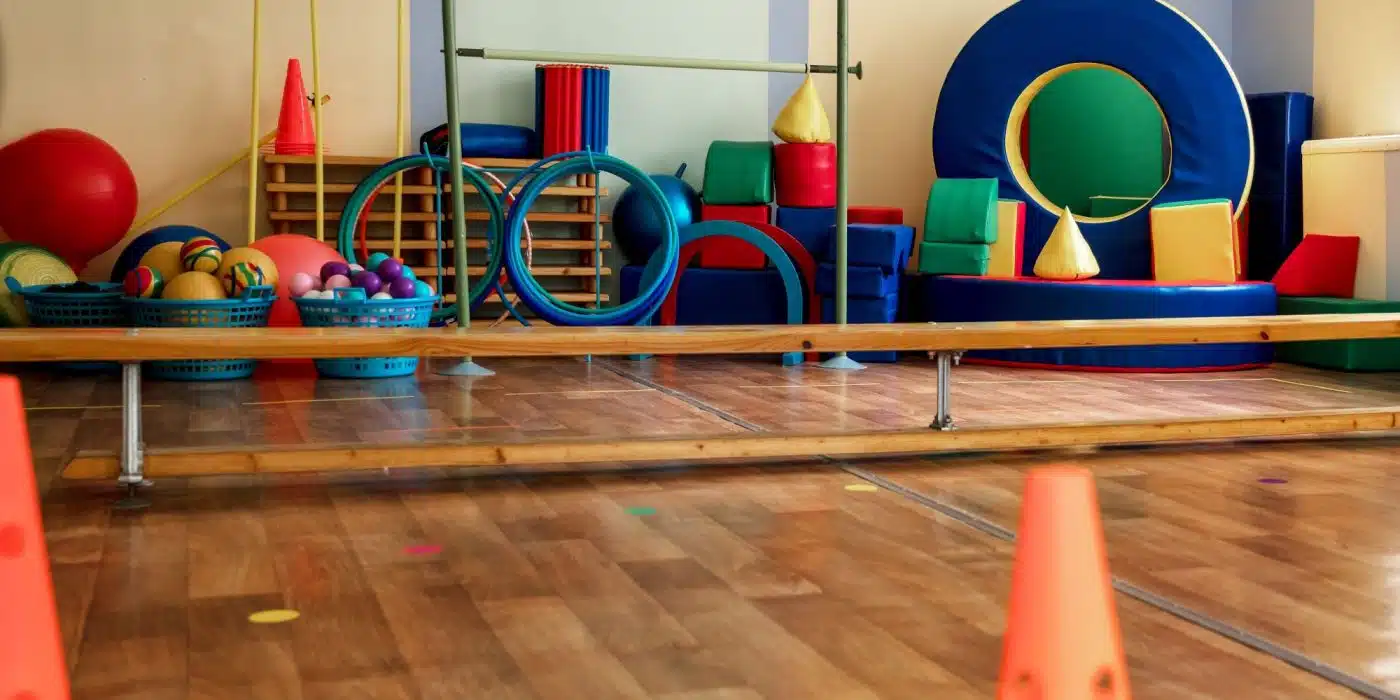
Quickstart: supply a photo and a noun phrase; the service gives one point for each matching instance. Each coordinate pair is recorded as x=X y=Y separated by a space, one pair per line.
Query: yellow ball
x=164 y=258
x=193 y=286
x=258 y=258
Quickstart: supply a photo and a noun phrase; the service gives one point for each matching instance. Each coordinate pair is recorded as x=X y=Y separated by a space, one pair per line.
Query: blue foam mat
x=862 y=281
x=971 y=299
x=886 y=246
x=811 y=227
x=1282 y=122
x=720 y=297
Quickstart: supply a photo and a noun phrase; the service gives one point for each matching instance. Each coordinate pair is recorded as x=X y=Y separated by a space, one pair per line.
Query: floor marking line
x=804 y=386
x=1248 y=639
x=1241 y=636
x=1319 y=387
x=578 y=391
x=1025 y=381
x=284 y=402
x=1311 y=386
x=84 y=408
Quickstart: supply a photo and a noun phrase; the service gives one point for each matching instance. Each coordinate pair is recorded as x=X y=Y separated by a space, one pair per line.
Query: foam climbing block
x=738 y=172
x=886 y=246
x=728 y=252
x=1374 y=355
x=485 y=141
x=1282 y=122
x=709 y=297
x=874 y=215
x=1006 y=253
x=805 y=174
x=961 y=299
x=810 y=226
x=862 y=281
x=954 y=258
x=878 y=310
x=1194 y=241
x=1321 y=266
x=961 y=211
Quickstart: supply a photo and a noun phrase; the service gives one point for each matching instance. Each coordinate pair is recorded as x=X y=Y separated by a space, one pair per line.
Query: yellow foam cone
x=803 y=119
x=1066 y=256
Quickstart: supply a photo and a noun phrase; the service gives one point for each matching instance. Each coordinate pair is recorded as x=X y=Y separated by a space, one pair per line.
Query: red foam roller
x=875 y=215
x=573 y=119
x=805 y=174
x=731 y=253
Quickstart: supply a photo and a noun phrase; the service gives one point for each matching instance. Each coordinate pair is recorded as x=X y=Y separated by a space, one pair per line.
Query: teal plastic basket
x=350 y=309
x=102 y=308
x=250 y=310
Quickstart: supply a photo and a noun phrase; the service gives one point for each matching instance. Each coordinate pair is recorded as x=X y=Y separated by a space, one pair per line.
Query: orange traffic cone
x=31 y=648
x=1062 y=639
x=295 y=134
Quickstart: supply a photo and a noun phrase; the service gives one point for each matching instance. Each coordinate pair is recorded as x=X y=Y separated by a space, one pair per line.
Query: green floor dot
x=641 y=510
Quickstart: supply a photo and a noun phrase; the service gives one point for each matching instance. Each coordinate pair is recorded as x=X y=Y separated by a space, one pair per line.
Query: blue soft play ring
x=792 y=282
x=540 y=176
x=1212 y=140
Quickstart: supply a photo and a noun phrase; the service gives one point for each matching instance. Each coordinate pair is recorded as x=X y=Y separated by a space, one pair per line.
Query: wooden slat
x=117 y=344
x=542 y=217
x=198 y=462
x=329 y=159
x=342 y=189
x=537 y=271
x=480 y=244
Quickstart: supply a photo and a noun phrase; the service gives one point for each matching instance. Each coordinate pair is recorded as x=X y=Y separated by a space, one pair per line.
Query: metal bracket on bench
x=132 y=475
x=943 y=415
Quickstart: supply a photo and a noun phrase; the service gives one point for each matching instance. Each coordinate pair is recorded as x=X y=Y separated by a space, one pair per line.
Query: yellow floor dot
x=862 y=487
x=272 y=617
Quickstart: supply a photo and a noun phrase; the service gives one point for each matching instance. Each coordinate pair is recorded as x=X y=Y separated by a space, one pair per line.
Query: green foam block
x=1375 y=355
x=954 y=258
x=738 y=172
x=962 y=211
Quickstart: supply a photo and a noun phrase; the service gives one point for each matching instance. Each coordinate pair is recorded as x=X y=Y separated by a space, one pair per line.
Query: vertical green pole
x=842 y=361
x=454 y=155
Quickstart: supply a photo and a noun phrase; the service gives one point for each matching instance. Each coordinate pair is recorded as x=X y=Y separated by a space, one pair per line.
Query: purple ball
x=403 y=288
x=390 y=269
x=367 y=281
x=333 y=268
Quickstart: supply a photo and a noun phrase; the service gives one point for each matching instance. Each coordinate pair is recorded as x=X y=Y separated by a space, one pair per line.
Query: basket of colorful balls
x=201 y=286
x=381 y=294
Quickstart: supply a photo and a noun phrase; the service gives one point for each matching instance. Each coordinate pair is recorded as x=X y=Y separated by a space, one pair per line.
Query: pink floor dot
x=423 y=550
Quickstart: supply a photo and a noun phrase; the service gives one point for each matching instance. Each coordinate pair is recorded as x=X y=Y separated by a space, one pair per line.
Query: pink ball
x=337 y=281
x=300 y=284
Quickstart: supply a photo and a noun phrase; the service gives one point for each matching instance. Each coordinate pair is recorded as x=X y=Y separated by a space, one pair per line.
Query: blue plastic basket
x=350 y=309
x=248 y=311
x=99 y=309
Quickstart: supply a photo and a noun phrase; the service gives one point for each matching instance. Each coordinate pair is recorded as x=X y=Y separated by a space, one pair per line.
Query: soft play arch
x=982 y=105
x=695 y=234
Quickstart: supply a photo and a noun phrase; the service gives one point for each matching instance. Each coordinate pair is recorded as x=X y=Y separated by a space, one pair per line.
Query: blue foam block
x=1282 y=122
x=595 y=109
x=958 y=299
x=485 y=141
x=862 y=281
x=886 y=246
x=720 y=297
x=811 y=227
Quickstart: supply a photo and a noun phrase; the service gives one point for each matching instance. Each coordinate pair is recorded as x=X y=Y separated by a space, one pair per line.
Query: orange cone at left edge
x=1062 y=638
x=31 y=647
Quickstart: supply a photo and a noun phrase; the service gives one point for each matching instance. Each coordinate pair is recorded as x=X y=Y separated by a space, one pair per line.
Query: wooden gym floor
x=814 y=580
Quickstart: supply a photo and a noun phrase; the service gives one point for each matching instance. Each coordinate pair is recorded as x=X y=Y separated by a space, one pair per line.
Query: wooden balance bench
x=131 y=466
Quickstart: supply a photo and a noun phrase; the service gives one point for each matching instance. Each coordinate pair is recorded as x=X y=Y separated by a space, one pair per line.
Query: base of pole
x=842 y=363
x=463 y=368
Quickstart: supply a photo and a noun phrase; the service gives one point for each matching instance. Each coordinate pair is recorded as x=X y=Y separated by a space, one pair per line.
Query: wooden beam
x=116 y=344
x=551 y=454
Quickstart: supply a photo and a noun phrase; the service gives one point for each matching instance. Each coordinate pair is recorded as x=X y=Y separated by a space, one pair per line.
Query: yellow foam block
x=1006 y=250
x=1194 y=242
x=1066 y=255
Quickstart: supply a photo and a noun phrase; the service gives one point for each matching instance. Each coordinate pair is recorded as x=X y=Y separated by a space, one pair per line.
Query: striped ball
x=201 y=254
x=240 y=276
x=142 y=281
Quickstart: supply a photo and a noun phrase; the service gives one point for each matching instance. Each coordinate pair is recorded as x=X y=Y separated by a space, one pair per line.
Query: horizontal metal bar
x=609 y=59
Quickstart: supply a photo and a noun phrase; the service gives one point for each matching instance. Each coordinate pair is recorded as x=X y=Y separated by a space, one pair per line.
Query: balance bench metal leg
x=132 y=475
x=943 y=416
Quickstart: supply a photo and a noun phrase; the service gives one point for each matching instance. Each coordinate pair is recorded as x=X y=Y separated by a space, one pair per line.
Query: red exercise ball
x=68 y=192
x=293 y=253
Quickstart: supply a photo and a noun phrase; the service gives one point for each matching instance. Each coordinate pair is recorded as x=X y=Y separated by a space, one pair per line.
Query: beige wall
x=907 y=47
x=1357 y=49
x=167 y=83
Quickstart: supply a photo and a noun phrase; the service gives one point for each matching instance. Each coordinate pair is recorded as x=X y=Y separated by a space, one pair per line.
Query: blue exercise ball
x=639 y=228
x=131 y=254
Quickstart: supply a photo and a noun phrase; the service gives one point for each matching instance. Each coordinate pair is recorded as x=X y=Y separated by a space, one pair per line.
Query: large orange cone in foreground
x=295 y=134
x=31 y=648
x=1062 y=640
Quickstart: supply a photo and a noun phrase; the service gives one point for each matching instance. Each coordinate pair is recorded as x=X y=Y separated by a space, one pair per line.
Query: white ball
x=380 y=296
x=356 y=268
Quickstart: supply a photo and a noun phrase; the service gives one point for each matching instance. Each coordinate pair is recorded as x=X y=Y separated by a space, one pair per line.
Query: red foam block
x=875 y=215
x=804 y=174
x=731 y=253
x=1321 y=266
